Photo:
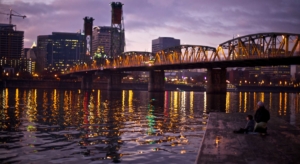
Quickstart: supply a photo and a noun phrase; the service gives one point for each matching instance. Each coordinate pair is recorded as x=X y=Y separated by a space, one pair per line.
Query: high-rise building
x=163 y=43
x=11 y=42
x=102 y=39
x=59 y=51
x=29 y=59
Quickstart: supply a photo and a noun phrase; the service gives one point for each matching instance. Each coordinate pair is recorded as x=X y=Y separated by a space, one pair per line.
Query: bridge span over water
x=261 y=49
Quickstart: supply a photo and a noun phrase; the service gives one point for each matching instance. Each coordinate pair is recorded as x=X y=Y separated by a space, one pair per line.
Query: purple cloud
x=194 y=22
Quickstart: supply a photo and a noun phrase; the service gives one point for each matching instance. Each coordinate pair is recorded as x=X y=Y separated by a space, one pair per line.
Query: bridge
x=261 y=49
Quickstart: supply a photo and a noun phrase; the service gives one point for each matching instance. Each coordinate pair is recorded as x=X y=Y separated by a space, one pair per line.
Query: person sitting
x=249 y=126
x=261 y=117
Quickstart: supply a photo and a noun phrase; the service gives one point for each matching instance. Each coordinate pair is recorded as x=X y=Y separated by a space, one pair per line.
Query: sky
x=197 y=22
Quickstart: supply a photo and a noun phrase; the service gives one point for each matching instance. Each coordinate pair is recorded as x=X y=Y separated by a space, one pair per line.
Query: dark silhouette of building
x=11 y=42
x=59 y=51
x=163 y=43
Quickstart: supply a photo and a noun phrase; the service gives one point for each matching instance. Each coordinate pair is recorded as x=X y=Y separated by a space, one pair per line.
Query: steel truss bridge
x=261 y=49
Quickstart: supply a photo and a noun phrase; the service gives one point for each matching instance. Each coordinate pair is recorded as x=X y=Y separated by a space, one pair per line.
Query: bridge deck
x=221 y=145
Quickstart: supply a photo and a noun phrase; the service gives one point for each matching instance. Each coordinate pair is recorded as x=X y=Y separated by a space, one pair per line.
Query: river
x=75 y=126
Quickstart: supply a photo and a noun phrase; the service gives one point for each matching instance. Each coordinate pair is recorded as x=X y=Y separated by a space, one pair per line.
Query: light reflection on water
x=61 y=126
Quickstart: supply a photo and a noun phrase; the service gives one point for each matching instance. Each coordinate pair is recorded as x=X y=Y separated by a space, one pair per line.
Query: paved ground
x=221 y=145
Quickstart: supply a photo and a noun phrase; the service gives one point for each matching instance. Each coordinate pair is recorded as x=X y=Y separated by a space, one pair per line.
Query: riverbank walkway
x=221 y=145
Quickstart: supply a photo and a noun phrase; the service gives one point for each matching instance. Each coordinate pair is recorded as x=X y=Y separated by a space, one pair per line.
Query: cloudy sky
x=204 y=22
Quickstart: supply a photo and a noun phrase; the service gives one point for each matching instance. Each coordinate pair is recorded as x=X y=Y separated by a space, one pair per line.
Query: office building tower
x=11 y=42
x=102 y=41
x=59 y=51
x=162 y=43
x=29 y=59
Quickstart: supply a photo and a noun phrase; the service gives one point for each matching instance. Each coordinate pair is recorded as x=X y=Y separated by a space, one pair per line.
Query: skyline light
x=193 y=22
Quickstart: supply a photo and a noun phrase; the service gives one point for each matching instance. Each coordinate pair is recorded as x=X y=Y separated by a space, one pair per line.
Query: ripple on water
x=136 y=133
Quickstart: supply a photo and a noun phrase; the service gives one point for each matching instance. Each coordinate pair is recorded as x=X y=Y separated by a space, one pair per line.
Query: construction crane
x=11 y=14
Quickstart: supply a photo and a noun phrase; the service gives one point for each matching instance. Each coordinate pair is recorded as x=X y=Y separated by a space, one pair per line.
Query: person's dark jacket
x=250 y=126
x=262 y=115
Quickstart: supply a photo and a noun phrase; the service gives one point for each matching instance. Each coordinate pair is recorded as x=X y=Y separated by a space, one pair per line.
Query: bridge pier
x=216 y=89
x=215 y=102
x=216 y=81
x=156 y=81
x=87 y=82
x=114 y=81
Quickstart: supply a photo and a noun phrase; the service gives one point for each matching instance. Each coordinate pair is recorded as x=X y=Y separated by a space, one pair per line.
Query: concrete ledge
x=221 y=145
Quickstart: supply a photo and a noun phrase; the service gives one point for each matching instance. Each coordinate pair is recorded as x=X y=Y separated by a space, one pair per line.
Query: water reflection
x=284 y=105
x=215 y=102
x=121 y=126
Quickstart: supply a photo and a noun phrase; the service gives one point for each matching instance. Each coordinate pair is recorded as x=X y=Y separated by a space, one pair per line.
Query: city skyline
x=205 y=23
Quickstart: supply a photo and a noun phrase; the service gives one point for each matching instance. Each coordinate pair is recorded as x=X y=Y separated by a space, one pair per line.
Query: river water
x=75 y=126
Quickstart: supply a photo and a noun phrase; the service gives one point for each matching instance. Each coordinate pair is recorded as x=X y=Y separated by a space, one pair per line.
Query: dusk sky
x=204 y=22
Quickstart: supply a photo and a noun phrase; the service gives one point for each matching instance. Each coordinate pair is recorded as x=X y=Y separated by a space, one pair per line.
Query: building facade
x=102 y=41
x=59 y=51
x=29 y=58
x=163 y=43
x=11 y=42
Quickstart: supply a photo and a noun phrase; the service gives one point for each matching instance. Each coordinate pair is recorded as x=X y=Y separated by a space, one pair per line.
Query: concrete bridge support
x=216 y=89
x=215 y=102
x=87 y=82
x=216 y=81
x=156 y=81
x=114 y=81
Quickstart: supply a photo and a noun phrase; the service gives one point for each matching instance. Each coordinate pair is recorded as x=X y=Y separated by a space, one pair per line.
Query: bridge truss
x=252 y=47
x=173 y=55
x=261 y=45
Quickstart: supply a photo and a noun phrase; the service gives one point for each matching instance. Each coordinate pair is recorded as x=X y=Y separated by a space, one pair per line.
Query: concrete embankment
x=221 y=145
